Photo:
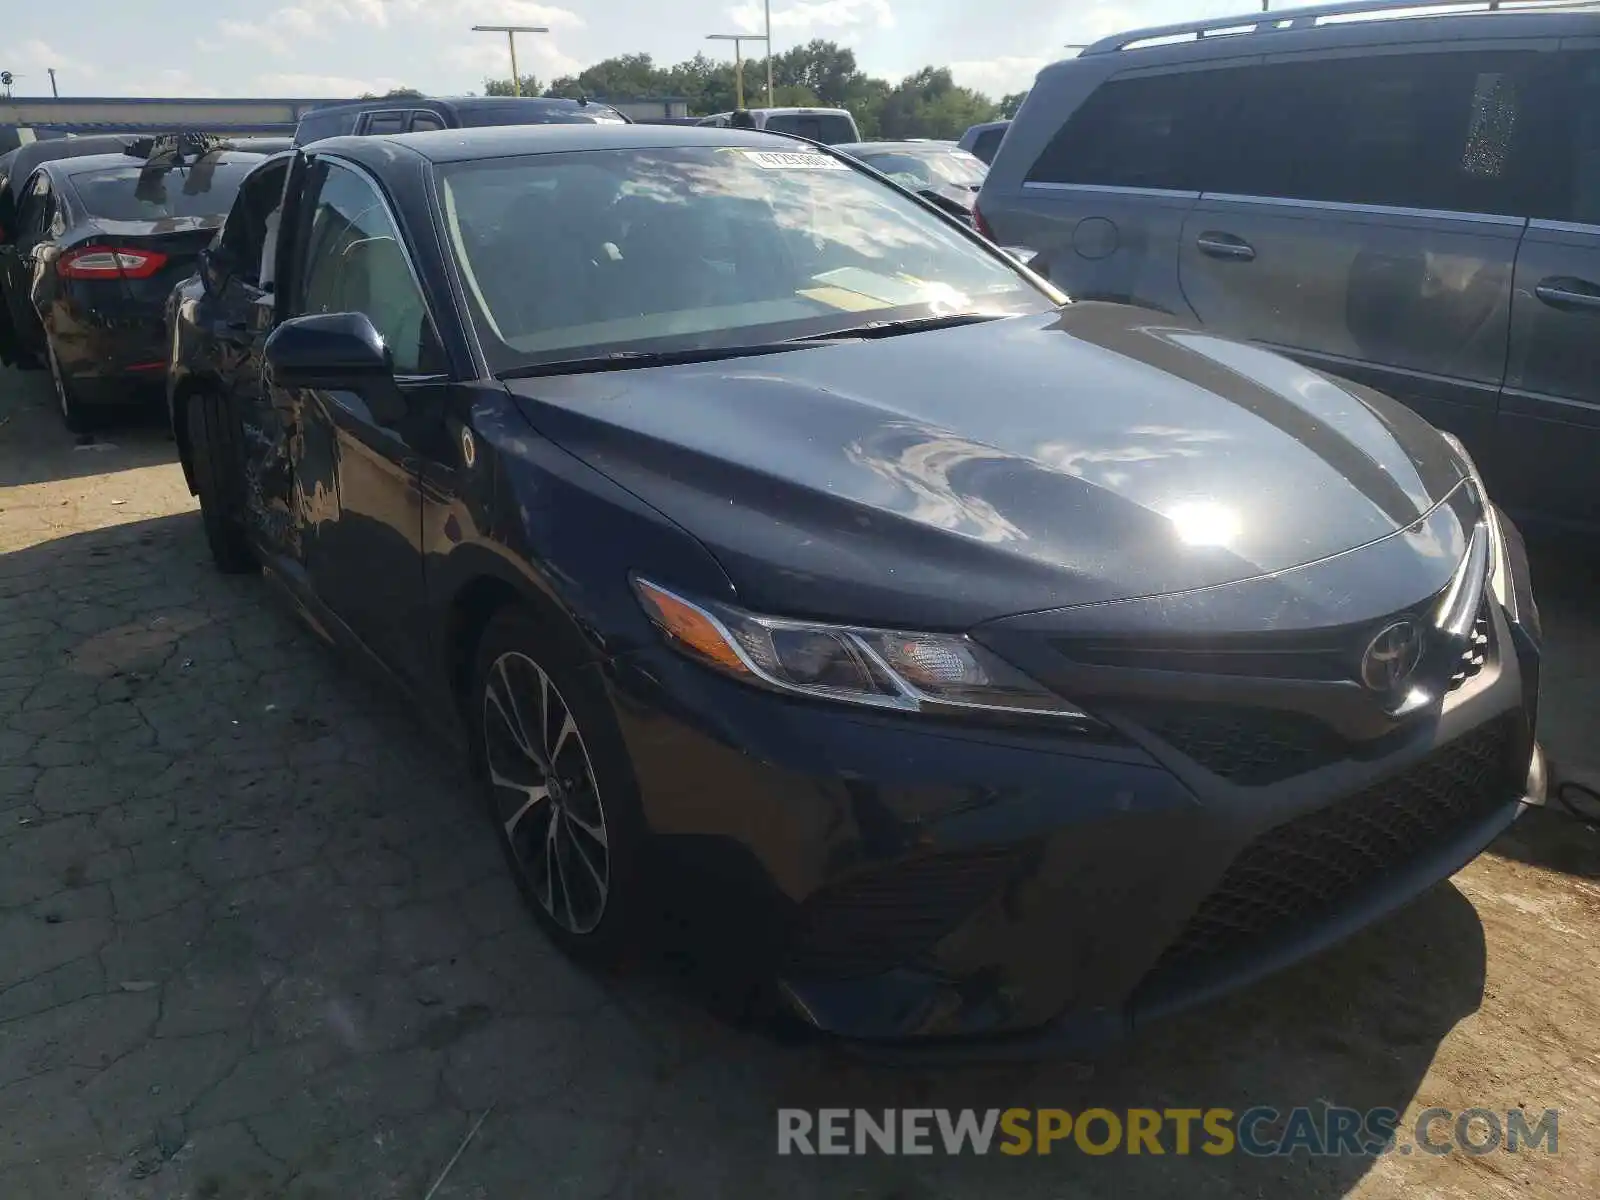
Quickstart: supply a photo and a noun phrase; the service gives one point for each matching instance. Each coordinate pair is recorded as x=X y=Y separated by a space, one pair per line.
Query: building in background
x=22 y=119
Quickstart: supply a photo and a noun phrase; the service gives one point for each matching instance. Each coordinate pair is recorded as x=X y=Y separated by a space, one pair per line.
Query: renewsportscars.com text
x=1258 y=1132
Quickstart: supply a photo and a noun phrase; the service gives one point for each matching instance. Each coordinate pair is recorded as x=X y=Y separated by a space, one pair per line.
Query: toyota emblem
x=1391 y=656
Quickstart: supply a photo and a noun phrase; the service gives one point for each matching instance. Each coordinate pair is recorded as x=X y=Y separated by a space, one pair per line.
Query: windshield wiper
x=879 y=329
x=630 y=360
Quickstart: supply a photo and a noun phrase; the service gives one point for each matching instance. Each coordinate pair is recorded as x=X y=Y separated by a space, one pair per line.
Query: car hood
x=947 y=477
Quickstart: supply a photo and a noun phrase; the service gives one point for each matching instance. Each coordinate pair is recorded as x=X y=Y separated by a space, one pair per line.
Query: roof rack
x=1308 y=18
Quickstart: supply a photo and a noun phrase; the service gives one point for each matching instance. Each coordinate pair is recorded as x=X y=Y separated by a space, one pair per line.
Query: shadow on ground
x=256 y=940
x=36 y=448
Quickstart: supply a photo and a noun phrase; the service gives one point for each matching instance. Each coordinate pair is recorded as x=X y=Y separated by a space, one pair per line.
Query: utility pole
x=769 y=53
x=738 y=40
x=53 y=91
x=511 y=32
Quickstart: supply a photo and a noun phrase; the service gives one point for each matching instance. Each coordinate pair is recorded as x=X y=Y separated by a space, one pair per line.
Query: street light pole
x=738 y=40
x=511 y=32
x=769 y=53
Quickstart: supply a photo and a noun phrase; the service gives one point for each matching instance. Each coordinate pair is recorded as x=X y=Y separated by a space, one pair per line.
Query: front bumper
x=929 y=890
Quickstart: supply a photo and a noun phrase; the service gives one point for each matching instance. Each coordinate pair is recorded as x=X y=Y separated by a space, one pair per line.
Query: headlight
x=917 y=672
x=1491 y=518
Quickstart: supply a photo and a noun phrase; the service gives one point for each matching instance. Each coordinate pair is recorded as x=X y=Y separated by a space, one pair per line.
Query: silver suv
x=1402 y=194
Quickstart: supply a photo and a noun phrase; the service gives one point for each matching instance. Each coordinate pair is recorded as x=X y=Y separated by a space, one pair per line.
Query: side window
x=386 y=122
x=422 y=119
x=1583 y=150
x=1151 y=131
x=987 y=144
x=244 y=235
x=1449 y=131
x=353 y=261
x=33 y=218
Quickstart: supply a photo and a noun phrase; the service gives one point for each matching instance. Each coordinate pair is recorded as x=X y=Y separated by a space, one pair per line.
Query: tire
x=576 y=861
x=218 y=464
x=75 y=414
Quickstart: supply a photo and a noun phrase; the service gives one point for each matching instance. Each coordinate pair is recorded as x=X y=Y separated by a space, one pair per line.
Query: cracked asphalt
x=256 y=940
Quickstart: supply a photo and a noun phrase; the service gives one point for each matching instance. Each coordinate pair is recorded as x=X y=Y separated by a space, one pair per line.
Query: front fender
x=531 y=523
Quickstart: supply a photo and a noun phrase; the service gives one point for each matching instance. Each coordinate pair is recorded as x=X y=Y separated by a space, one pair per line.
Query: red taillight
x=110 y=262
x=980 y=224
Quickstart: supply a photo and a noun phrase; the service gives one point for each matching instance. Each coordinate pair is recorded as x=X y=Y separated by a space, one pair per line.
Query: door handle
x=1225 y=245
x=1568 y=293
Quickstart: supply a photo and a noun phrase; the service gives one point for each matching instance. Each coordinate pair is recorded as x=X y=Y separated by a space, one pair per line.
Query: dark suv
x=1400 y=194
x=392 y=115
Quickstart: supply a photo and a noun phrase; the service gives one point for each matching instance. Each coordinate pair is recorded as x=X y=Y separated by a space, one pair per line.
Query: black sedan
x=96 y=246
x=941 y=172
x=1005 y=666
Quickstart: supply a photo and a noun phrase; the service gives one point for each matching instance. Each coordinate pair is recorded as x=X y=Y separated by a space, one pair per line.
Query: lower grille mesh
x=1309 y=865
x=1246 y=746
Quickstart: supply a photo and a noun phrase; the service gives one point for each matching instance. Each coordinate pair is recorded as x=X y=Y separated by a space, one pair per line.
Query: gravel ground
x=256 y=941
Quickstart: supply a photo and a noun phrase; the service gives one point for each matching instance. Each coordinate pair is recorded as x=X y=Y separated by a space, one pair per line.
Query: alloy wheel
x=545 y=794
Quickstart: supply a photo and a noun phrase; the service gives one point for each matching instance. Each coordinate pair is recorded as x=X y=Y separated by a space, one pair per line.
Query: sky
x=315 y=48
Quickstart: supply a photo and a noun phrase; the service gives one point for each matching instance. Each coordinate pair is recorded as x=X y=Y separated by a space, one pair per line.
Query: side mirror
x=337 y=352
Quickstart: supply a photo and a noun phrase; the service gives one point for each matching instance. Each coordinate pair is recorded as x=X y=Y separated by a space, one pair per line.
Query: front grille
x=1308 y=866
x=1257 y=657
x=1476 y=656
x=1246 y=746
x=883 y=917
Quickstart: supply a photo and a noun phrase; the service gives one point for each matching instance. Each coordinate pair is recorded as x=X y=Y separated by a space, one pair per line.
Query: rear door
x=355 y=479
x=1550 y=411
x=1367 y=218
x=1104 y=202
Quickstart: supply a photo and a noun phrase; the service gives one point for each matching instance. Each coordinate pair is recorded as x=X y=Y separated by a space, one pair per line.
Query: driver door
x=355 y=479
x=17 y=264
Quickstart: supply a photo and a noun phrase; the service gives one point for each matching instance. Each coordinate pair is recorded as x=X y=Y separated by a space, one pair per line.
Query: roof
x=507 y=141
x=479 y=103
x=910 y=146
x=20 y=163
x=1242 y=34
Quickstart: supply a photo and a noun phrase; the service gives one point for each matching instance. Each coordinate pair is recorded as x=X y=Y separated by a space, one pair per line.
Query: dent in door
x=315 y=454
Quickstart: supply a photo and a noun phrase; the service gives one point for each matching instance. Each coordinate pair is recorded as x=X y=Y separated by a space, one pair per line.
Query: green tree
x=502 y=87
x=1011 y=103
x=819 y=73
x=930 y=104
x=399 y=93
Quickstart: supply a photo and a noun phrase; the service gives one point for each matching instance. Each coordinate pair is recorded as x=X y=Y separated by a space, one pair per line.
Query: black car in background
x=942 y=172
x=993 y=664
x=98 y=244
x=364 y=117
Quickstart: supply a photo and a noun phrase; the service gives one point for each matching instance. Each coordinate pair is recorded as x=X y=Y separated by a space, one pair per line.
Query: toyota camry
x=1011 y=668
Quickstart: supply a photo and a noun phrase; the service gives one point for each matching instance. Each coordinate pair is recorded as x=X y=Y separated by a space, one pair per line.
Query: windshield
x=831 y=129
x=119 y=194
x=928 y=168
x=570 y=255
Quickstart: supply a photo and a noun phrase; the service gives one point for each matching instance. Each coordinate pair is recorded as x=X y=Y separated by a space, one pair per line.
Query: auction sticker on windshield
x=781 y=160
